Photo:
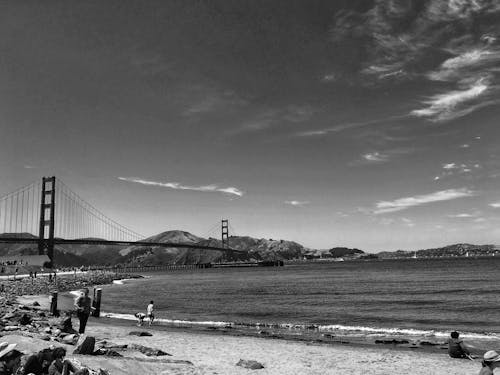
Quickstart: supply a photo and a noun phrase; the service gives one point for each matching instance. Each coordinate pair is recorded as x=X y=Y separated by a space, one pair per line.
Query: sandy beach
x=202 y=353
x=218 y=354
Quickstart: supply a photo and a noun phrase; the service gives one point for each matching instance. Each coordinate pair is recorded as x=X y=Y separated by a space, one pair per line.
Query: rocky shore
x=32 y=328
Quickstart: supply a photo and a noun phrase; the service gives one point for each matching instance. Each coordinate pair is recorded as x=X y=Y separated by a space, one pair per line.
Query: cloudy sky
x=369 y=124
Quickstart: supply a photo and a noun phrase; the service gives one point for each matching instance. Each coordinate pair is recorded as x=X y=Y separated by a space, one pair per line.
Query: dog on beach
x=140 y=318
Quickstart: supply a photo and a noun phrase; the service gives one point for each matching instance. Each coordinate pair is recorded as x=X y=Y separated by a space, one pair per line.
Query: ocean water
x=425 y=297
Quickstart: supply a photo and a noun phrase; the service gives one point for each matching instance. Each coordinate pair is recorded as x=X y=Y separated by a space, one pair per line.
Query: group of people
x=49 y=361
x=149 y=314
x=457 y=349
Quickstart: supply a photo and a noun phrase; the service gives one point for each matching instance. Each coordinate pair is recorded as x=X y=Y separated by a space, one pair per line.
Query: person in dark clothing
x=37 y=363
x=61 y=366
x=456 y=347
x=10 y=358
x=83 y=307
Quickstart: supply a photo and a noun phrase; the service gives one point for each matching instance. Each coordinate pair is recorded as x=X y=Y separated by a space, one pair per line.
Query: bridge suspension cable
x=76 y=218
x=20 y=210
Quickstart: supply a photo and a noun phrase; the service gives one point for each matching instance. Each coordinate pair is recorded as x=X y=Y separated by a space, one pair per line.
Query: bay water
x=411 y=297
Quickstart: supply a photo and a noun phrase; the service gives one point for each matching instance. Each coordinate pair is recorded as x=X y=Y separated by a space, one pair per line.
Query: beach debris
x=250 y=364
x=35 y=303
x=85 y=345
x=140 y=333
x=430 y=343
x=70 y=339
x=110 y=345
x=392 y=341
x=107 y=352
x=150 y=352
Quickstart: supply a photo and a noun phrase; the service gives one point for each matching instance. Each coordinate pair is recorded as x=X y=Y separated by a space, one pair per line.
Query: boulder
x=70 y=339
x=65 y=325
x=108 y=352
x=9 y=315
x=25 y=320
x=150 y=352
x=250 y=364
x=140 y=333
x=11 y=328
x=85 y=345
x=393 y=341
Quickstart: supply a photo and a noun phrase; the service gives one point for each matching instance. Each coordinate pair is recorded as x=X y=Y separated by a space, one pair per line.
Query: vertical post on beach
x=97 y=302
x=53 y=303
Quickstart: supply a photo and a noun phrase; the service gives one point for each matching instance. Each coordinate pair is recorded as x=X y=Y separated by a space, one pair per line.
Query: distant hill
x=456 y=250
x=254 y=249
x=77 y=255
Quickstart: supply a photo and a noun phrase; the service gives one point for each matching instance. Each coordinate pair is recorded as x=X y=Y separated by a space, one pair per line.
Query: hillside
x=77 y=255
x=456 y=250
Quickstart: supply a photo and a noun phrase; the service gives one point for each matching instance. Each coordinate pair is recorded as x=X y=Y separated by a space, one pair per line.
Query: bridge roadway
x=60 y=241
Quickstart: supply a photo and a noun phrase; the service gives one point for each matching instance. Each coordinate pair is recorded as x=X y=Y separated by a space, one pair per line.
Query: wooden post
x=53 y=304
x=97 y=302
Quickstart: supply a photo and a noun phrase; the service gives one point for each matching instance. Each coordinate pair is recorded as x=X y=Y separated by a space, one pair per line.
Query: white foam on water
x=166 y=321
x=340 y=329
x=122 y=281
x=404 y=332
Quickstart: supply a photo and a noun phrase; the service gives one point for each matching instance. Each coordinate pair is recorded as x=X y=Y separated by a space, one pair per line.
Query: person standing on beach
x=150 y=312
x=491 y=361
x=456 y=347
x=83 y=307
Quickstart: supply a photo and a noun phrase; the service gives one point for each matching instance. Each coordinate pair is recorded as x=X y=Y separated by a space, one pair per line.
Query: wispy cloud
x=447 y=106
x=408 y=202
x=276 y=117
x=297 y=203
x=348 y=126
x=461 y=216
x=403 y=40
x=376 y=157
x=177 y=186
x=495 y=205
x=450 y=169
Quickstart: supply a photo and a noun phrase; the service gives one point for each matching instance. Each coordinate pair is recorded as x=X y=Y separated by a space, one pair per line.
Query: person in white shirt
x=150 y=312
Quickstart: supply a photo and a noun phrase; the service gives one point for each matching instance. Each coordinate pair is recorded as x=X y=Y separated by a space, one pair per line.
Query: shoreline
x=382 y=338
x=211 y=352
x=199 y=349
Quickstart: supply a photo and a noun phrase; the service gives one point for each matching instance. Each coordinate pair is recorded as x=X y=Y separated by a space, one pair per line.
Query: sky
x=361 y=123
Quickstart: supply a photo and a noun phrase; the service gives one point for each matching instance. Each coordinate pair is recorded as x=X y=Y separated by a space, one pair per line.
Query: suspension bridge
x=60 y=216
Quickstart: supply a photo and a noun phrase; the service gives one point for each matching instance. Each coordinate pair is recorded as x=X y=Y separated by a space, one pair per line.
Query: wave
x=334 y=328
x=167 y=321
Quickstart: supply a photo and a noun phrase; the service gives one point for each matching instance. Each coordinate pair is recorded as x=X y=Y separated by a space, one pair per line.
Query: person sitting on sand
x=150 y=312
x=10 y=358
x=37 y=363
x=140 y=318
x=491 y=360
x=456 y=347
x=61 y=366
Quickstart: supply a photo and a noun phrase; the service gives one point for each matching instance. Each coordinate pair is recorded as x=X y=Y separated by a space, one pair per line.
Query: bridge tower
x=47 y=213
x=225 y=233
